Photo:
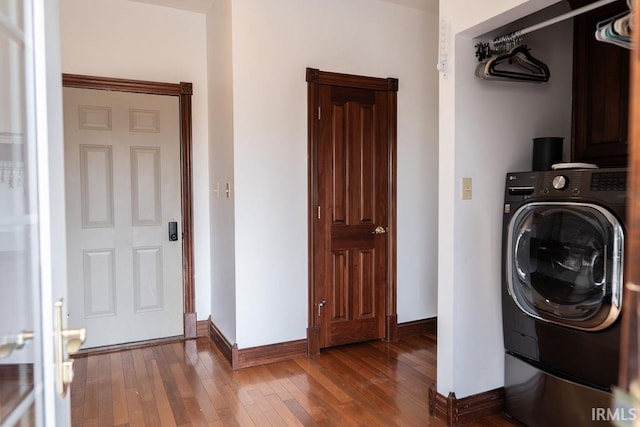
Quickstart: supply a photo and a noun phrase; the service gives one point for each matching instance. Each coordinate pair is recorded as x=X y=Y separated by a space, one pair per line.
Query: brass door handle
x=379 y=230
x=74 y=339
x=14 y=342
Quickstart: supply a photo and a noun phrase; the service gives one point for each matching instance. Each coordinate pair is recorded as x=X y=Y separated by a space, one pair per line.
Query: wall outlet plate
x=467 y=188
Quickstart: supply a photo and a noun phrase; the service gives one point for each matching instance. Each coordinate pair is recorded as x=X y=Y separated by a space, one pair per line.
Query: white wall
x=220 y=72
x=118 y=38
x=273 y=43
x=485 y=131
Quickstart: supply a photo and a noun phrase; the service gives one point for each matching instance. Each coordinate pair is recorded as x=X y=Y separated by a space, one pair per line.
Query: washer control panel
x=609 y=181
x=605 y=184
x=560 y=182
x=566 y=183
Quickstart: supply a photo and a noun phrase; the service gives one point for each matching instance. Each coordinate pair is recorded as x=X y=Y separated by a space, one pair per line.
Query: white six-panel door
x=122 y=190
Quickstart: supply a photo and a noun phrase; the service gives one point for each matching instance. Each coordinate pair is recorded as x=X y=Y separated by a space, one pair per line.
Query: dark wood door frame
x=184 y=91
x=315 y=78
x=629 y=374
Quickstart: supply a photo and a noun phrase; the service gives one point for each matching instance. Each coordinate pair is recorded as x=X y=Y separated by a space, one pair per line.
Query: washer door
x=564 y=263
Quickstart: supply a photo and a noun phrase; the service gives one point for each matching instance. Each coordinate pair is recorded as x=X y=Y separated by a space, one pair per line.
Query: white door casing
x=122 y=189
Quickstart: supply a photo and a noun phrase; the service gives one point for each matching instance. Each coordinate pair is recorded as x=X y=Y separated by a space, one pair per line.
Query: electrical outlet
x=467 y=188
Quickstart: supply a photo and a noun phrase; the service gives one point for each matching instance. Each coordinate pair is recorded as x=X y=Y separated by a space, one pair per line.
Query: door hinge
x=319 y=112
x=318 y=212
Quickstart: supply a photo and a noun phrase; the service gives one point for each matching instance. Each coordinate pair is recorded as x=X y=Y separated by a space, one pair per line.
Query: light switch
x=466 y=188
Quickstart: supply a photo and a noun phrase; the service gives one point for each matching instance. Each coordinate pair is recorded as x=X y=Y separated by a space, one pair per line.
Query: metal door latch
x=320 y=305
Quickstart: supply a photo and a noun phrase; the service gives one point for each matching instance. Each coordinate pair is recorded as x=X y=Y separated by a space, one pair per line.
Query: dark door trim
x=315 y=78
x=629 y=373
x=184 y=91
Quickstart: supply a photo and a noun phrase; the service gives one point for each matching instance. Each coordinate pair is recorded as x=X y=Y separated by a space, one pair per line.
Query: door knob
x=74 y=339
x=379 y=230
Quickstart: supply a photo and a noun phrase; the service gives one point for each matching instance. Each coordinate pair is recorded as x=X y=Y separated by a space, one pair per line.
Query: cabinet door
x=600 y=93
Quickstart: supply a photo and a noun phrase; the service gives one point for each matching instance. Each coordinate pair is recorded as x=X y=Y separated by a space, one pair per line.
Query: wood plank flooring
x=190 y=384
x=16 y=382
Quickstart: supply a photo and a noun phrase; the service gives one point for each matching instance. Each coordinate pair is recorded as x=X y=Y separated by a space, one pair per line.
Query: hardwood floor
x=190 y=384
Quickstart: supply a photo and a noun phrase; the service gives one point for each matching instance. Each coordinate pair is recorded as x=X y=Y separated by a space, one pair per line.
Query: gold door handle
x=379 y=230
x=74 y=339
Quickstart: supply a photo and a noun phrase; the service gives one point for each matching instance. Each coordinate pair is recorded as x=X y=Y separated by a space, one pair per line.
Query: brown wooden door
x=600 y=92
x=352 y=221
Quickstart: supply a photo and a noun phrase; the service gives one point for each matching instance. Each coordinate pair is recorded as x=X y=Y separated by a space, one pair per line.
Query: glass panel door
x=21 y=339
x=566 y=263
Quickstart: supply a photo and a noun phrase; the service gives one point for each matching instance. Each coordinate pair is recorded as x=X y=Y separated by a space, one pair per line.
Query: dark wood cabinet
x=600 y=92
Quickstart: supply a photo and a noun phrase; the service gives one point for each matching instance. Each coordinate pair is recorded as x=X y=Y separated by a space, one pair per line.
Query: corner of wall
x=221 y=163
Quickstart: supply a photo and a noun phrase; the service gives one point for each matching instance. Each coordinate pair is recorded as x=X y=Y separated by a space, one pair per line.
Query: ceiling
x=202 y=6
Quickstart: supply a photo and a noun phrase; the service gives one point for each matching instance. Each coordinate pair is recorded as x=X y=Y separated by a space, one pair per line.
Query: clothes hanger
x=615 y=30
x=531 y=68
x=517 y=64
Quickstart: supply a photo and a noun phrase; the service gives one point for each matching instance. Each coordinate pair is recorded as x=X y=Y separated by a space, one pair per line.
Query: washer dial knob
x=560 y=182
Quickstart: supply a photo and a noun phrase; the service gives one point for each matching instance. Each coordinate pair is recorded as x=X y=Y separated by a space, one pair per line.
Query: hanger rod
x=563 y=17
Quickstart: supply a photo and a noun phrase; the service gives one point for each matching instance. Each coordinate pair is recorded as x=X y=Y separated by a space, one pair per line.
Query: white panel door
x=122 y=153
